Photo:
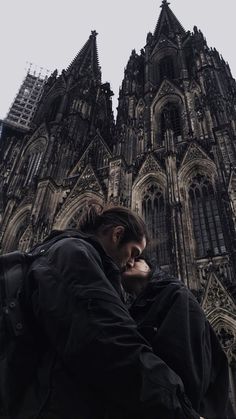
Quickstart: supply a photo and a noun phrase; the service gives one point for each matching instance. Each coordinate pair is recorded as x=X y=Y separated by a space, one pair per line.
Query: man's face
x=123 y=254
x=127 y=253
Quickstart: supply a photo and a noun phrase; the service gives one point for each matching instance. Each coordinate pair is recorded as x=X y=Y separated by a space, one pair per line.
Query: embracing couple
x=105 y=357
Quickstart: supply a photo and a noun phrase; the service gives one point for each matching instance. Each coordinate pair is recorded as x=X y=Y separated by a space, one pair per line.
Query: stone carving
x=199 y=108
x=97 y=149
x=87 y=182
x=227 y=338
x=166 y=89
x=149 y=165
x=140 y=109
x=114 y=180
x=217 y=297
x=222 y=268
x=194 y=152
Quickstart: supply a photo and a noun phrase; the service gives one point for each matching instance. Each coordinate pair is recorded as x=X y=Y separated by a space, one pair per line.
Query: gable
x=194 y=152
x=96 y=148
x=149 y=166
x=88 y=181
x=167 y=88
x=217 y=298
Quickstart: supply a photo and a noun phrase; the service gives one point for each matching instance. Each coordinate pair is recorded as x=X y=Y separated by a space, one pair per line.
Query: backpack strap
x=14 y=265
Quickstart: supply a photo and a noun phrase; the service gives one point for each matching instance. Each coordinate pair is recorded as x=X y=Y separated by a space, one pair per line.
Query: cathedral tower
x=176 y=156
x=175 y=132
x=47 y=176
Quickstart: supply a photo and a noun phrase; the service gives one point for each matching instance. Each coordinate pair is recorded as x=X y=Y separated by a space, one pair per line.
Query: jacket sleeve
x=215 y=400
x=93 y=333
x=185 y=340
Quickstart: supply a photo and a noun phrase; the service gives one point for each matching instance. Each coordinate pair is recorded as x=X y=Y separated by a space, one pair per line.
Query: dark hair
x=97 y=218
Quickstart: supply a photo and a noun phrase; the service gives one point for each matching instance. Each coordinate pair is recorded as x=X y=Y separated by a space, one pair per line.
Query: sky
x=49 y=34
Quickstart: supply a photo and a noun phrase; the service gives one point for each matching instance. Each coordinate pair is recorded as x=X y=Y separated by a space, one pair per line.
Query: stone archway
x=70 y=212
x=16 y=228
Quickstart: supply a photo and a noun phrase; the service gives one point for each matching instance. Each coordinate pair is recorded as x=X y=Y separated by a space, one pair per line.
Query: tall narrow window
x=206 y=221
x=154 y=213
x=170 y=118
x=167 y=68
x=54 y=107
x=33 y=160
x=33 y=166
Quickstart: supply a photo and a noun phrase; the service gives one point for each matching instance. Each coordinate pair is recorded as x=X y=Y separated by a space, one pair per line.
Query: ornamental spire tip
x=164 y=3
x=94 y=33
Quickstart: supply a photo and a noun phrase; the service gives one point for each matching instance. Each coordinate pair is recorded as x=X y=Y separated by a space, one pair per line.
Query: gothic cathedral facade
x=170 y=156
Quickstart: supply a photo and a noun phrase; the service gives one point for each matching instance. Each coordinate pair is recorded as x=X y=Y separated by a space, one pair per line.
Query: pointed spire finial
x=164 y=3
x=94 y=33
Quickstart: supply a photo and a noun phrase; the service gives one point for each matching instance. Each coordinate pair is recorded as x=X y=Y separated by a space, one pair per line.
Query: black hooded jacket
x=93 y=362
x=171 y=319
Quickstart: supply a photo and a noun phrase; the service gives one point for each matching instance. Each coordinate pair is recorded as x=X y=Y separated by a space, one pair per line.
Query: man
x=93 y=362
x=170 y=318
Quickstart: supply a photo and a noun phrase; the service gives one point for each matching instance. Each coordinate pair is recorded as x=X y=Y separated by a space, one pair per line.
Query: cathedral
x=170 y=156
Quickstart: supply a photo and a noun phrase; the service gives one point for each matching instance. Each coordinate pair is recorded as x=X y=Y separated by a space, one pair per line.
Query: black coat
x=93 y=362
x=171 y=319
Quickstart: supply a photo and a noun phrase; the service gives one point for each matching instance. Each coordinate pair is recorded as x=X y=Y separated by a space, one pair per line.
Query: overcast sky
x=49 y=33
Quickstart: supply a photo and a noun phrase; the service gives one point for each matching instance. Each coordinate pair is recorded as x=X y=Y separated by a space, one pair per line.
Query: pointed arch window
x=167 y=68
x=33 y=166
x=33 y=160
x=170 y=118
x=207 y=227
x=154 y=214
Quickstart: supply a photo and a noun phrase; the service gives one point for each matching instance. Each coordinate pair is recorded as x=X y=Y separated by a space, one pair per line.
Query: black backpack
x=18 y=352
x=19 y=332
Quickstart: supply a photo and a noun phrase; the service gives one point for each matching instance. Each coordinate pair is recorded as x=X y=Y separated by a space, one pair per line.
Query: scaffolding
x=26 y=101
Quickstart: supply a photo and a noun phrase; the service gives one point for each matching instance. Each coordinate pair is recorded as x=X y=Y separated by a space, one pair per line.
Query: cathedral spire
x=168 y=23
x=86 y=61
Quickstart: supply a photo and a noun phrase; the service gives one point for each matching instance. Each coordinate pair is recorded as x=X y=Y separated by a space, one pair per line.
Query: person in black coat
x=171 y=319
x=93 y=363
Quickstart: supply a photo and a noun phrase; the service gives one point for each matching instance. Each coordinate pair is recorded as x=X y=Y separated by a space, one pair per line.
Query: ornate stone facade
x=171 y=156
